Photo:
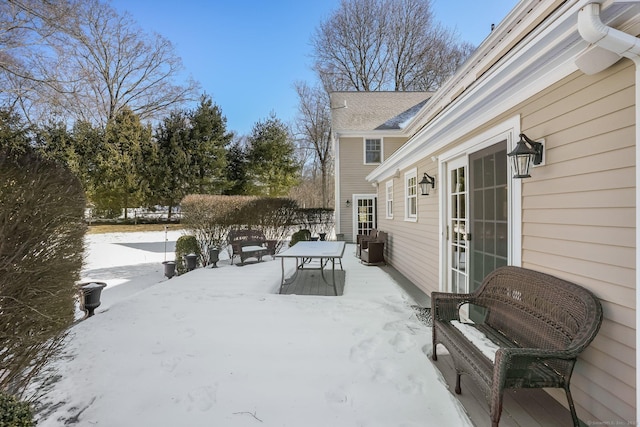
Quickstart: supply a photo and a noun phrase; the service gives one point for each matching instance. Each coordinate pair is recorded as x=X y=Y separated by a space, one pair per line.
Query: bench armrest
x=236 y=246
x=445 y=306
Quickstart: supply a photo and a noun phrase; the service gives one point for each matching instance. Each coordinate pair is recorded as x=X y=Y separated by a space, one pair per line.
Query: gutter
x=593 y=30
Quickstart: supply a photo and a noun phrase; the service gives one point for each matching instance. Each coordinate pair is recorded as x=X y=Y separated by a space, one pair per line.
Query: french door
x=457 y=225
x=477 y=220
x=365 y=214
x=488 y=198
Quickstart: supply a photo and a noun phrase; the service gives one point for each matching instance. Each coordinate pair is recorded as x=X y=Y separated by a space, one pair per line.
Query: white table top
x=317 y=249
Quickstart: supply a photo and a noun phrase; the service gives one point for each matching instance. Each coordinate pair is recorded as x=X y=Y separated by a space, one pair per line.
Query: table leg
x=282 y=268
x=333 y=274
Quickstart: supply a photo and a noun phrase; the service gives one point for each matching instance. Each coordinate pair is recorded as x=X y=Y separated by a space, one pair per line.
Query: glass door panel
x=365 y=215
x=457 y=225
x=489 y=216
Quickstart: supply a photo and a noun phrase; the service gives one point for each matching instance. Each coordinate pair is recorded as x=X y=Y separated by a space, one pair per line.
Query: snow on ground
x=219 y=347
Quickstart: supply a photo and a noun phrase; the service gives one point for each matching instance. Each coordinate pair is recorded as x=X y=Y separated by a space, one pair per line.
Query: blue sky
x=247 y=54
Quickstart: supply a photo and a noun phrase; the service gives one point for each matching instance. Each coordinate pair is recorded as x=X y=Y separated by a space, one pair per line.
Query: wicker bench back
x=538 y=310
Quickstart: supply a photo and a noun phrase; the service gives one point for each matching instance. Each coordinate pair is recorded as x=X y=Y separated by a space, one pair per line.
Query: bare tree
x=26 y=62
x=369 y=45
x=314 y=129
x=350 y=46
x=83 y=59
x=119 y=66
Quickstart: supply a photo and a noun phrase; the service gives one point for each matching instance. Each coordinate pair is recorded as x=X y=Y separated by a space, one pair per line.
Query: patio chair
x=373 y=254
x=363 y=239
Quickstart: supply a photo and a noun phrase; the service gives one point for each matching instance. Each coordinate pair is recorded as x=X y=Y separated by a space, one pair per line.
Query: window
x=389 y=199
x=411 y=195
x=372 y=151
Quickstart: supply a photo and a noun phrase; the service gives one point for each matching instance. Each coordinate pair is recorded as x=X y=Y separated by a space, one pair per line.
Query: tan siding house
x=540 y=73
x=365 y=124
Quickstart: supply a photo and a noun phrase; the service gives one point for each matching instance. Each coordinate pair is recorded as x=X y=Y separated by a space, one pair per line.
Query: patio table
x=306 y=251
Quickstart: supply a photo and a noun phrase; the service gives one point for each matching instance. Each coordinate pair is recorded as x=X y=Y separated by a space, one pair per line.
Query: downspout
x=593 y=30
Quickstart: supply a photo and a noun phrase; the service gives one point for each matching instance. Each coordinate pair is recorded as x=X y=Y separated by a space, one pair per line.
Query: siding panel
x=579 y=220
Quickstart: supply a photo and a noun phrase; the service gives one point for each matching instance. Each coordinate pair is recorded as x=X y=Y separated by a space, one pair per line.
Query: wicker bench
x=537 y=324
x=249 y=244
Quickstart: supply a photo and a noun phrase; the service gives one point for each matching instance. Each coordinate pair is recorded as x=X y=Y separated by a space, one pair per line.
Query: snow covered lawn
x=218 y=347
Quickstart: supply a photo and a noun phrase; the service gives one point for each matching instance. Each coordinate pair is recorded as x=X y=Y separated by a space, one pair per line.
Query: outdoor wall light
x=526 y=153
x=348 y=203
x=425 y=182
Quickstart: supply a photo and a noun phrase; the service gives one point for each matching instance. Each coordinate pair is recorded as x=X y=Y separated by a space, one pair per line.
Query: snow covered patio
x=220 y=347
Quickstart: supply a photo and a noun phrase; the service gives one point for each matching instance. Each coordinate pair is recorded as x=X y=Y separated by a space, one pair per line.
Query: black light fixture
x=526 y=153
x=348 y=203
x=425 y=182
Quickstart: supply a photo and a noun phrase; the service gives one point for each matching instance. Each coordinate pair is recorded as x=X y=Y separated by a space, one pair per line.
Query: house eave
x=537 y=56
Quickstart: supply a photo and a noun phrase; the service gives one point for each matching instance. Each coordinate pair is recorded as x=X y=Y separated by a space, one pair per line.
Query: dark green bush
x=41 y=251
x=14 y=413
x=186 y=245
x=300 y=236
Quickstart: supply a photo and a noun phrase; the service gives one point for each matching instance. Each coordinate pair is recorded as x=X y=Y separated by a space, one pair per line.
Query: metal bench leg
x=572 y=407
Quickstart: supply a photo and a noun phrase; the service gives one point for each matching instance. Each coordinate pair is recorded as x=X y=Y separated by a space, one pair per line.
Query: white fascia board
x=370 y=133
x=542 y=58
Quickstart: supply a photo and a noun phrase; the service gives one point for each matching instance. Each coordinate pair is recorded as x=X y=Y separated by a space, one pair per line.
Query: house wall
x=352 y=173
x=412 y=247
x=578 y=222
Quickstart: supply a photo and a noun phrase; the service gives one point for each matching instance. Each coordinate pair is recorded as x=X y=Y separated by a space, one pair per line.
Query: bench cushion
x=253 y=248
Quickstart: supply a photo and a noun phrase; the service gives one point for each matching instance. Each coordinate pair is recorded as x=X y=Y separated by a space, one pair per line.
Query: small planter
x=91 y=292
x=214 y=256
x=191 y=260
x=323 y=236
x=169 y=268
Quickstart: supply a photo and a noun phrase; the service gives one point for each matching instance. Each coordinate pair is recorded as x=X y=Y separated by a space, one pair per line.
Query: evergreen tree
x=88 y=144
x=171 y=173
x=56 y=143
x=237 y=169
x=272 y=165
x=208 y=139
x=122 y=183
x=14 y=133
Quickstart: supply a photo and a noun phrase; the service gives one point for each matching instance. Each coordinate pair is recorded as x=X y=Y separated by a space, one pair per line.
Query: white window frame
x=364 y=150
x=389 y=199
x=411 y=193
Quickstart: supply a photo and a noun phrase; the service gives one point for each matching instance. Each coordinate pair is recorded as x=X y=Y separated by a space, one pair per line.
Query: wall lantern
x=526 y=153
x=425 y=182
x=348 y=203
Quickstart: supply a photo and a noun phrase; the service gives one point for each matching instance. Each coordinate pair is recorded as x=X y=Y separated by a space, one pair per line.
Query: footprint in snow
x=383 y=372
x=202 y=398
x=170 y=363
x=402 y=342
x=336 y=396
x=413 y=385
x=365 y=350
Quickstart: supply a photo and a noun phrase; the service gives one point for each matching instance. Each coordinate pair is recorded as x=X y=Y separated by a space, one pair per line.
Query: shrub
x=42 y=240
x=210 y=217
x=317 y=220
x=186 y=245
x=14 y=413
x=274 y=216
x=300 y=236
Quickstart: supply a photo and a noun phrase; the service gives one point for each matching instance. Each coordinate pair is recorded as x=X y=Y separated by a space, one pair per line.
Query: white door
x=365 y=214
x=457 y=277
